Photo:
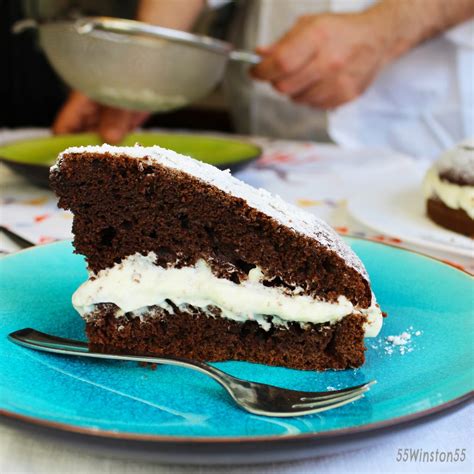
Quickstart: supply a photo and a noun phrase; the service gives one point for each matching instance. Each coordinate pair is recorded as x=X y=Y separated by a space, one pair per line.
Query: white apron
x=420 y=104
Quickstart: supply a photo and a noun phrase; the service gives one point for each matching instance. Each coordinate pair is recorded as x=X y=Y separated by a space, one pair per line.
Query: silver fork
x=254 y=397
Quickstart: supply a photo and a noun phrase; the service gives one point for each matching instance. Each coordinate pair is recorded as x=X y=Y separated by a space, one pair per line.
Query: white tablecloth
x=24 y=452
x=312 y=176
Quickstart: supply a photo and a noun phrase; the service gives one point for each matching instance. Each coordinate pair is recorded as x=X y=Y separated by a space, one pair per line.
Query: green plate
x=32 y=158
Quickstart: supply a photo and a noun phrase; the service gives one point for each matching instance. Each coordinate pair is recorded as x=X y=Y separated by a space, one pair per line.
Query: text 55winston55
x=420 y=455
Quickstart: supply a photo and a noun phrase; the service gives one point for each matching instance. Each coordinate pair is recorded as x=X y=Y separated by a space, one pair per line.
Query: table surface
x=320 y=178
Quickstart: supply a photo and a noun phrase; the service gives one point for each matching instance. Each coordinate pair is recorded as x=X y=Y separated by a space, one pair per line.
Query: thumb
x=138 y=118
x=264 y=50
x=75 y=114
x=114 y=124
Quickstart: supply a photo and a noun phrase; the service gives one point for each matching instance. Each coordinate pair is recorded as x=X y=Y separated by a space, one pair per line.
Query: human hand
x=80 y=114
x=327 y=60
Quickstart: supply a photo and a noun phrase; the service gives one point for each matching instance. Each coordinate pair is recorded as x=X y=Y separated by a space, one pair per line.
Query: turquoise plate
x=429 y=300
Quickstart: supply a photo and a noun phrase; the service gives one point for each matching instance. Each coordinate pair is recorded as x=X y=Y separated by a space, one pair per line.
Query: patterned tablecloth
x=319 y=178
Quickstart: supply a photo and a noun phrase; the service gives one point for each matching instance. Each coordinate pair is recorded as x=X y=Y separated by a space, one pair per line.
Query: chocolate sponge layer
x=122 y=206
x=457 y=220
x=198 y=336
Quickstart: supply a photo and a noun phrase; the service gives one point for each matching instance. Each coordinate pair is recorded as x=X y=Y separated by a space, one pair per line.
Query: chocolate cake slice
x=449 y=189
x=186 y=260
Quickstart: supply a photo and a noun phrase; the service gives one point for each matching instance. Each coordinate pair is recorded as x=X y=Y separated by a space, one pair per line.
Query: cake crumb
x=401 y=343
x=400 y=340
x=148 y=365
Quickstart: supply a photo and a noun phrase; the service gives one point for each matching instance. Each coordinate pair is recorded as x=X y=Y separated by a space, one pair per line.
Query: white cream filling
x=453 y=195
x=137 y=283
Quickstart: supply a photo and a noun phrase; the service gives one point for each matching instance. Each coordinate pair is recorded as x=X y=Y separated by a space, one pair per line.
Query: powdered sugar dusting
x=400 y=340
x=260 y=199
x=400 y=343
x=459 y=161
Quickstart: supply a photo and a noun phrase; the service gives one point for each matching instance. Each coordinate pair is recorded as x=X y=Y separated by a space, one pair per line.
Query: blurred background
x=31 y=91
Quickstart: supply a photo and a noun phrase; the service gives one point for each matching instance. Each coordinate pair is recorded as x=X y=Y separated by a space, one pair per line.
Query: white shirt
x=420 y=104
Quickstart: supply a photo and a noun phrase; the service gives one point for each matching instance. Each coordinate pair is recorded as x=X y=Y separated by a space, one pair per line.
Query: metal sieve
x=134 y=65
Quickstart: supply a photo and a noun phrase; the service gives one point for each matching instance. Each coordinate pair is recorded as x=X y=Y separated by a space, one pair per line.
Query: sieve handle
x=131 y=27
x=245 y=56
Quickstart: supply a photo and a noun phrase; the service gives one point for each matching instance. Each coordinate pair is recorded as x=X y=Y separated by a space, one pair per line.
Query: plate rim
x=365 y=428
x=124 y=436
x=414 y=240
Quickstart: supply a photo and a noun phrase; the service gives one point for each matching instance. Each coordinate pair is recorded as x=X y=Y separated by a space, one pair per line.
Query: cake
x=186 y=260
x=449 y=189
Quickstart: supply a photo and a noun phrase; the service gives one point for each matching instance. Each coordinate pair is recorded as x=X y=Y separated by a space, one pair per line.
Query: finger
x=114 y=124
x=138 y=118
x=72 y=116
x=328 y=93
x=301 y=80
x=332 y=101
x=345 y=89
x=316 y=95
x=91 y=122
x=263 y=50
x=288 y=55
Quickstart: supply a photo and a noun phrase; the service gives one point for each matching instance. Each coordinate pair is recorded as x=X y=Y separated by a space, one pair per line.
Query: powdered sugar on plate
x=400 y=340
x=401 y=343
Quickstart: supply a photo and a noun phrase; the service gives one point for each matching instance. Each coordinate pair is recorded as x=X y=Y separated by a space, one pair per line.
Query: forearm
x=410 y=22
x=177 y=14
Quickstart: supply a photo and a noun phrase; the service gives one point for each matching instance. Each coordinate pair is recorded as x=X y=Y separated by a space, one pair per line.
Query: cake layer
x=141 y=200
x=456 y=220
x=137 y=283
x=453 y=195
x=149 y=159
x=198 y=335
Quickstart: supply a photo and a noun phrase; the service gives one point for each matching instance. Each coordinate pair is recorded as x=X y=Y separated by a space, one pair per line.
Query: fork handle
x=41 y=341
